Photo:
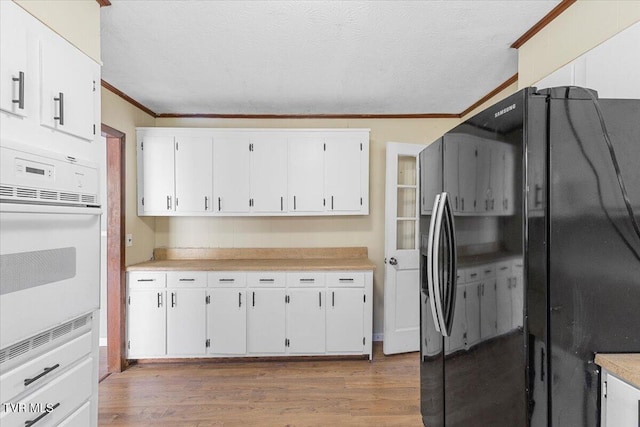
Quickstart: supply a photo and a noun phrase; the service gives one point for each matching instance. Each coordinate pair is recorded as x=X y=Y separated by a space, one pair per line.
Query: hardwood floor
x=384 y=392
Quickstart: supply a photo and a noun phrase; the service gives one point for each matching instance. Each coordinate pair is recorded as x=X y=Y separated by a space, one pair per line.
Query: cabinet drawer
x=503 y=268
x=347 y=278
x=473 y=274
x=300 y=278
x=187 y=279
x=266 y=278
x=227 y=279
x=66 y=393
x=80 y=418
x=43 y=368
x=488 y=271
x=147 y=280
x=460 y=277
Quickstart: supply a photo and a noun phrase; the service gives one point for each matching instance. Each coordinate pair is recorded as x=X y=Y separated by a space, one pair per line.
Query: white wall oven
x=50 y=240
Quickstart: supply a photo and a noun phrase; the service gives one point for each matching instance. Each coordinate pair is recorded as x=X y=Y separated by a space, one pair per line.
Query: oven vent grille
x=27 y=193
x=21 y=193
x=6 y=191
x=25 y=346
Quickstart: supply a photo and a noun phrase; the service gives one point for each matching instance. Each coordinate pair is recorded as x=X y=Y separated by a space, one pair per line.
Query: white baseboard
x=102 y=342
x=378 y=337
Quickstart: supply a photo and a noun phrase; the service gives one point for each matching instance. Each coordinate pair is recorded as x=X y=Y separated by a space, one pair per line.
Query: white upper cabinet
x=343 y=168
x=467 y=169
x=253 y=172
x=14 y=76
x=232 y=173
x=306 y=174
x=67 y=88
x=269 y=173
x=157 y=195
x=193 y=174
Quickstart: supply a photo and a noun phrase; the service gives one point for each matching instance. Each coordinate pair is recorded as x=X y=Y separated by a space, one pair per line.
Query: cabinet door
x=67 y=90
x=497 y=177
x=345 y=319
x=504 y=310
x=266 y=321
x=186 y=321
x=306 y=320
x=269 y=174
x=194 y=174
x=431 y=176
x=13 y=66
x=508 y=186
x=517 y=295
x=488 y=321
x=456 y=340
x=484 y=167
x=451 y=179
x=306 y=175
x=157 y=174
x=622 y=404
x=472 y=306
x=227 y=321
x=231 y=173
x=146 y=323
x=467 y=175
x=342 y=174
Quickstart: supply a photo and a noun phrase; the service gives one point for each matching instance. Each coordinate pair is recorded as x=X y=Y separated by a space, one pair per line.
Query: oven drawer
x=63 y=395
x=40 y=370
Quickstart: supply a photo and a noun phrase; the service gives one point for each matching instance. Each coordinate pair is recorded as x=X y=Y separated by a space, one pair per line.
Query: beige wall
x=307 y=231
x=78 y=21
x=584 y=25
x=121 y=115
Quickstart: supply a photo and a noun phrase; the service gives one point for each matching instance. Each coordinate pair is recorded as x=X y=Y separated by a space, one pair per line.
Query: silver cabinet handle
x=206 y=203
x=308 y=280
x=239 y=299
x=60 y=116
x=333 y=299
x=227 y=280
x=281 y=203
x=219 y=205
x=253 y=299
x=320 y=299
x=345 y=280
x=159 y=299
x=20 y=100
x=173 y=299
x=168 y=202
x=187 y=280
x=294 y=203
x=266 y=280
x=331 y=202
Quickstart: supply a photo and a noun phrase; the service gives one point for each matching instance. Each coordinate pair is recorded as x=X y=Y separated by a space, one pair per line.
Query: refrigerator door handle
x=437 y=295
x=452 y=267
x=430 y=266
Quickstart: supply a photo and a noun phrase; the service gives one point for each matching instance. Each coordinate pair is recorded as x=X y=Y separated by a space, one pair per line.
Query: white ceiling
x=312 y=57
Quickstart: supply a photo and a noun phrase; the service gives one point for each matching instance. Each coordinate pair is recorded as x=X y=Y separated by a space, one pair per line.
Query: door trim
x=116 y=281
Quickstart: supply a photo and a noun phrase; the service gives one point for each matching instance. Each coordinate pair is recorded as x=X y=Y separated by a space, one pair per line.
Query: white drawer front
x=460 y=276
x=187 y=279
x=301 y=279
x=473 y=274
x=80 y=418
x=42 y=369
x=347 y=279
x=272 y=279
x=66 y=393
x=488 y=271
x=503 y=268
x=227 y=279
x=146 y=280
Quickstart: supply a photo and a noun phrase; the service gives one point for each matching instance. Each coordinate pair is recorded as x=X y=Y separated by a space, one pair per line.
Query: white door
x=231 y=173
x=345 y=319
x=146 y=323
x=342 y=174
x=306 y=175
x=269 y=173
x=186 y=321
x=306 y=320
x=158 y=177
x=194 y=174
x=13 y=66
x=402 y=249
x=227 y=321
x=67 y=88
x=266 y=321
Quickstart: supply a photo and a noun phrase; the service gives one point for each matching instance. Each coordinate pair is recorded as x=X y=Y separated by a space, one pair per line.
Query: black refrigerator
x=530 y=259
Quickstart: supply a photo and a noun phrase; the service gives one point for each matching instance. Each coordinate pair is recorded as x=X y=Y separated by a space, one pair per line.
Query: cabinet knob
x=393 y=261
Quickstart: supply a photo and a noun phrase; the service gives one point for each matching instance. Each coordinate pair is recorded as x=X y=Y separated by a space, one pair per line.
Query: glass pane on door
x=406 y=170
x=406 y=202
x=406 y=234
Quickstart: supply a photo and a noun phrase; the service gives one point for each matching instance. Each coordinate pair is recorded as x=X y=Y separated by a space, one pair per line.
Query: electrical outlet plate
x=129 y=240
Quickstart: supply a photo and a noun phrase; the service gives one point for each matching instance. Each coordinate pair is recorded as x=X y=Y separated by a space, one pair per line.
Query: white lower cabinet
x=457 y=338
x=186 y=321
x=80 y=418
x=306 y=320
x=620 y=402
x=345 y=320
x=488 y=321
x=271 y=313
x=472 y=310
x=227 y=321
x=266 y=321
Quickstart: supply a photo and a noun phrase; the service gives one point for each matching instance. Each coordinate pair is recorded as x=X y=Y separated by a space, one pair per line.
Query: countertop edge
x=625 y=366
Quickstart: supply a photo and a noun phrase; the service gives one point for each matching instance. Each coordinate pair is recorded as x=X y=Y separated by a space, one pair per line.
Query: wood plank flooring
x=384 y=392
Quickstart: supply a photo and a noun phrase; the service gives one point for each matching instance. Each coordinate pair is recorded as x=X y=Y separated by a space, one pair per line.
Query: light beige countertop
x=625 y=366
x=257 y=259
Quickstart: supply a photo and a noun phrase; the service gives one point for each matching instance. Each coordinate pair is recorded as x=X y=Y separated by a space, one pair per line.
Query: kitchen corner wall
x=581 y=27
x=304 y=231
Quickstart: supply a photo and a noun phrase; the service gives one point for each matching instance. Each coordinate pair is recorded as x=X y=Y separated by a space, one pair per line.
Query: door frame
x=115 y=259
